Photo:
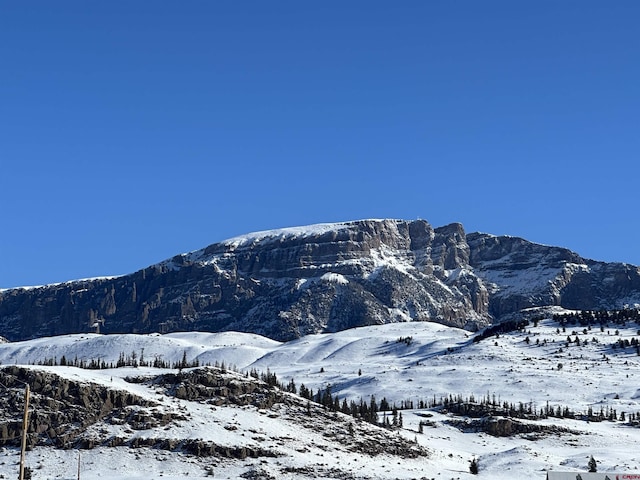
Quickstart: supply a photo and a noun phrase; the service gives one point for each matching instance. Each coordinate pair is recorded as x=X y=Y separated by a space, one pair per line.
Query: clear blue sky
x=133 y=131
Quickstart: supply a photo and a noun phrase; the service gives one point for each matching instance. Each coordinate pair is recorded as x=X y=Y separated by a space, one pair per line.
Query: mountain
x=288 y=283
x=545 y=397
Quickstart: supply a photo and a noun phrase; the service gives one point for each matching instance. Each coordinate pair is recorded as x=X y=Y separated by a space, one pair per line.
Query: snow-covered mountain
x=288 y=283
x=135 y=422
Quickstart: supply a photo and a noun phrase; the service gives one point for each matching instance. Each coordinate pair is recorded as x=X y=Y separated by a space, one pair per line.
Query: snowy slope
x=404 y=361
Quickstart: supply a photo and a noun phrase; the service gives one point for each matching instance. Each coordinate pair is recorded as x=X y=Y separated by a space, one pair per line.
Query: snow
x=404 y=361
x=267 y=236
x=334 y=278
x=387 y=257
x=69 y=282
x=510 y=280
x=281 y=234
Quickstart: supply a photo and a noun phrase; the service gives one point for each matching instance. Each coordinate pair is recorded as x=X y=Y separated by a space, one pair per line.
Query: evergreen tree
x=473 y=466
x=183 y=362
x=291 y=387
x=593 y=466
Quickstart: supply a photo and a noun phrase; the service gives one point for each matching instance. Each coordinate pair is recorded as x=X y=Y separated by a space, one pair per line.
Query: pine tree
x=593 y=466
x=473 y=466
x=291 y=387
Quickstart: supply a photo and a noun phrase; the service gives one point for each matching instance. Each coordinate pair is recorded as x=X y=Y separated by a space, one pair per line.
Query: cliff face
x=287 y=283
x=521 y=274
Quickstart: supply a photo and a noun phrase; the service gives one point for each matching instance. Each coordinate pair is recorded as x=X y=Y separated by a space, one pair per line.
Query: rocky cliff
x=291 y=282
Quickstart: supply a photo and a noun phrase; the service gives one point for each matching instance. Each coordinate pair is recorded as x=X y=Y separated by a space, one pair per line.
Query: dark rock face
x=508 y=427
x=62 y=409
x=287 y=283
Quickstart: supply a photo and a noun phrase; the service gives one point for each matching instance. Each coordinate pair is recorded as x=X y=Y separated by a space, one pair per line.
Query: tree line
x=599 y=317
x=132 y=359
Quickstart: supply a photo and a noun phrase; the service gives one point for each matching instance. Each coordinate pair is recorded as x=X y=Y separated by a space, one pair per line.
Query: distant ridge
x=290 y=282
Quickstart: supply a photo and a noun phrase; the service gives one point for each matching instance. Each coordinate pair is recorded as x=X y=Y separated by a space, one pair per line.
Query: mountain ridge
x=286 y=283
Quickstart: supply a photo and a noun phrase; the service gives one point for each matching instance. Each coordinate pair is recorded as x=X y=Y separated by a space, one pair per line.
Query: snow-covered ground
x=404 y=361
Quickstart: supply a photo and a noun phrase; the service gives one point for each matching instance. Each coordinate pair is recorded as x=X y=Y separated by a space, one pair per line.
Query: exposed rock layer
x=287 y=283
x=72 y=414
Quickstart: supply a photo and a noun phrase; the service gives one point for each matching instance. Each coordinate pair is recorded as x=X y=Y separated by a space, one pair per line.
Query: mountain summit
x=287 y=283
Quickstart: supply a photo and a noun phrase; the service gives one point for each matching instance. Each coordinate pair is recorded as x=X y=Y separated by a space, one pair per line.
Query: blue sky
x=133 y=131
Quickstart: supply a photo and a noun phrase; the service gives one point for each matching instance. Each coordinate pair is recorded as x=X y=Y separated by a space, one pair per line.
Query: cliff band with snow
x=287 y=283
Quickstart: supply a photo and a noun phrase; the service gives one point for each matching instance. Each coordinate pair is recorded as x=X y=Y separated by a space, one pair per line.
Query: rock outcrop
x=63 y=409
x=66 y=414
x=288 y=283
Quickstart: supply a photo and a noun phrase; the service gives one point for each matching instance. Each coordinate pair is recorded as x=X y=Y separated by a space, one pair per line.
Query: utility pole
x=24 y=431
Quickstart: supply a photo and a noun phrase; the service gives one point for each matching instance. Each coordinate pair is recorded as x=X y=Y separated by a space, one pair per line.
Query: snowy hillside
x=546 y=366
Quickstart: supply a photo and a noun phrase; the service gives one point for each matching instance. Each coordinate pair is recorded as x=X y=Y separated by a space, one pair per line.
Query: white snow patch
x=334 y=278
